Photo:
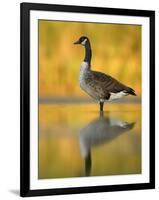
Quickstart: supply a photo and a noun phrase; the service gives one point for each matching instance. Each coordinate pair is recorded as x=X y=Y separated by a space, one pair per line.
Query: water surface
x=75 y=140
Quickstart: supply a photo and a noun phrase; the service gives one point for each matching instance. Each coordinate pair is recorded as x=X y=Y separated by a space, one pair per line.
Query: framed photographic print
x=87 y=99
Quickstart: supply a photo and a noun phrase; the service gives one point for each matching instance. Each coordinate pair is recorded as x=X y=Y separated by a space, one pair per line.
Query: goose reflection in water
x=99 y=131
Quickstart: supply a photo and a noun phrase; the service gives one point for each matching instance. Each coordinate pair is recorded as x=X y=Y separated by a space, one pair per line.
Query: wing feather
x=110 y=84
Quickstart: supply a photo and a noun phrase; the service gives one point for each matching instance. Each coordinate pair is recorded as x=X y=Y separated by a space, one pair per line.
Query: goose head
x=83 y=40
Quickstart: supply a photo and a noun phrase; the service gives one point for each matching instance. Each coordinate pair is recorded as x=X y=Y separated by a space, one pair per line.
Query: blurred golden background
x=116 y=50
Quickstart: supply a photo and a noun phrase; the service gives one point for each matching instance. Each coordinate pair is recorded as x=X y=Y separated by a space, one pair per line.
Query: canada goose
x=98 y=85
x=100 y=131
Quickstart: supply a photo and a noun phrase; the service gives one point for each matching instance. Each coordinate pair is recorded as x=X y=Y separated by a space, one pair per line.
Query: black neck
x=88 y=53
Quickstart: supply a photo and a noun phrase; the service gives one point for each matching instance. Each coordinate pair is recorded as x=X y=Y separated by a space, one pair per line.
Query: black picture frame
x=25 y=9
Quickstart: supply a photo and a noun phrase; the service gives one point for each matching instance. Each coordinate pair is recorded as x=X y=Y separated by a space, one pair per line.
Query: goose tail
x=131 y=91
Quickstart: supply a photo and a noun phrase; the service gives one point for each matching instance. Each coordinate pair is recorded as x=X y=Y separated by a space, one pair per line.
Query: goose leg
x=101 y=106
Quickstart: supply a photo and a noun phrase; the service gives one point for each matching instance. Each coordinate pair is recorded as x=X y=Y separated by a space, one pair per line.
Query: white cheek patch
x=84 y=42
